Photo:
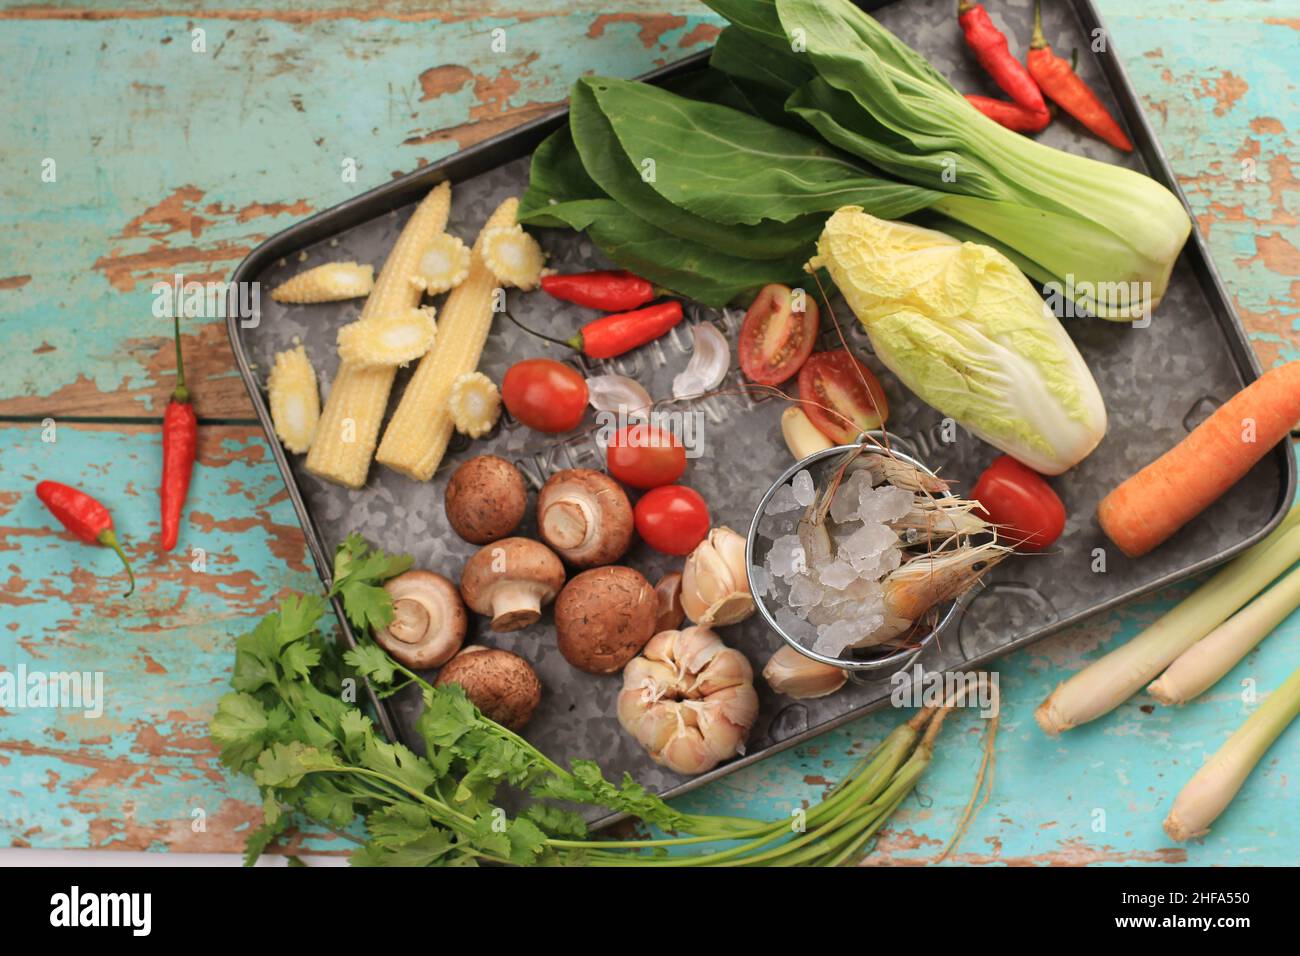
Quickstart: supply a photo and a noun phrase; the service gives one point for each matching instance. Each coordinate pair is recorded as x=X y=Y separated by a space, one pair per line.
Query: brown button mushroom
x=603 y=617
x=429 y=620
x=486 y=499
x=502 y=685
x=510 y=580
x=585 y=516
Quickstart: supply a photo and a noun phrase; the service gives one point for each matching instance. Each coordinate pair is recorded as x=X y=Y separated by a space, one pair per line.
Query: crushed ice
x=840 y=603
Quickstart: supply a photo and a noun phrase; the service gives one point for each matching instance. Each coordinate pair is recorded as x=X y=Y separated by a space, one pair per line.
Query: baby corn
x=474 y=403
x=416 y=438
x=332 y=282
x=295 y=402
x=513 y=256
x=389 y=339
x=349 y=425
x=444 y=265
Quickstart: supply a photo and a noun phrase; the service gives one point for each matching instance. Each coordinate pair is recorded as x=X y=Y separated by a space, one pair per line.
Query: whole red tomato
x=645 y=456
x=545 y=395
x=1029 y=513
x=672 y=519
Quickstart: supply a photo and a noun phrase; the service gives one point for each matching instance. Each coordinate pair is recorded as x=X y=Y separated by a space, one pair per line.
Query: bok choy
x=1107 y=237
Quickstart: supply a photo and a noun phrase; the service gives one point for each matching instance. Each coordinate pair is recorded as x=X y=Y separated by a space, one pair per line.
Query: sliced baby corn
x=354 y=409
x=513 y=256
x=444 y=265
x=295 y=401
x=416 y=437
x=474 y=403
x=332 y=282
x=388 y=340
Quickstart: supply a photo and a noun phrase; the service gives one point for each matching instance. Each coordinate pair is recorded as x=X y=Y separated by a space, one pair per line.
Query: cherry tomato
x=837 y=401
x=672 y=519
x=544 y=394
x=1024 y=506
x=644 y=456
x=775 y=340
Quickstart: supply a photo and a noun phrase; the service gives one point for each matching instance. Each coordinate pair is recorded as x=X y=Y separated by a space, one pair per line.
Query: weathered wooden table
x=141 y=139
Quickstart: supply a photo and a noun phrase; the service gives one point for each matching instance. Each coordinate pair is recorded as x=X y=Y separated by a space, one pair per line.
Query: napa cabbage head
x=963 y=328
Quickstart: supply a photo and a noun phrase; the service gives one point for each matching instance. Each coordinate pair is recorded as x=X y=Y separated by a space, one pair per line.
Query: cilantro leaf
x=240 y=727
x=262 y=837
x=359 y=573
x=371 y=662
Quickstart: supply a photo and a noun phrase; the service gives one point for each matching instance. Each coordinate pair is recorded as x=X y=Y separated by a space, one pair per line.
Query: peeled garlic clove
x=790 y=673
x=618 y=394
x=715 y=586
x=802 y=437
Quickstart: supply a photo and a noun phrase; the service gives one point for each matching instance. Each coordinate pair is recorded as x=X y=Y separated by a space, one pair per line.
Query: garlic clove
x=728 y=669
x=802 y=437
x=790 y=673
x=688 y=753
x=715 y=585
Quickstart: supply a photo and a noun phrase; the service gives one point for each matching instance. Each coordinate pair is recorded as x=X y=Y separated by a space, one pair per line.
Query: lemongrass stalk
x=1202 y=665
x=1212 y=788
x=1109 y=681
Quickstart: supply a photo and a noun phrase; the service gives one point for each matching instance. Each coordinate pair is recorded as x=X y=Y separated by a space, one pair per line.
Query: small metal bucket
x=859 y=670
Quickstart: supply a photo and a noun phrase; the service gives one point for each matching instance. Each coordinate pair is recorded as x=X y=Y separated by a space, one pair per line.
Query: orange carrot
x=1149 y=507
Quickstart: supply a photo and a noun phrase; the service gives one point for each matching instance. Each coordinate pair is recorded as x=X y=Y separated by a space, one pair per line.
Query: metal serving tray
x=1158 y=382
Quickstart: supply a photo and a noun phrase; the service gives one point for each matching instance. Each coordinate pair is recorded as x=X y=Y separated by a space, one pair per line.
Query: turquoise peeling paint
x=132 y=120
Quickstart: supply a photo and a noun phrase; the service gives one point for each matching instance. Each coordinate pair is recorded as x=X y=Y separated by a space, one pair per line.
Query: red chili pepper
x=83 y=516
x=990 y=47
x=1059 y=81
x=180 y=445
x=612 y=335
x=611 y=291
x=1011 y=115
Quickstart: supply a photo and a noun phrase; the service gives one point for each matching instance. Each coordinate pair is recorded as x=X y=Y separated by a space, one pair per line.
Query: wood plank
x=133 y=777
x=304 y=90
x=171 y=161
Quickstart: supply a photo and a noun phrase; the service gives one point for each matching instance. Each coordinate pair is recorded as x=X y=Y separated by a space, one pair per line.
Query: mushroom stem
x=411 y=621
x=568 y=522
x=516 y=604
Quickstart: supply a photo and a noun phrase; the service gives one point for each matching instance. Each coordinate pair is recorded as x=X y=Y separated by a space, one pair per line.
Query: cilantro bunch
x=293 y=723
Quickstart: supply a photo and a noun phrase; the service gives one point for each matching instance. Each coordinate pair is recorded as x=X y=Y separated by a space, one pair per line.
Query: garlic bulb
x=715 y=587
x=790 y=673
x=689 y=700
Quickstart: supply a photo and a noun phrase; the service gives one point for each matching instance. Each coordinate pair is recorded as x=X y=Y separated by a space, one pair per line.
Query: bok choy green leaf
x=1107 y=236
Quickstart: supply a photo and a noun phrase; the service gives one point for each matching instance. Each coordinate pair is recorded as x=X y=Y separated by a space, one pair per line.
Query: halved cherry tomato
x=672 y=519
x=644 y=456
x=545 y=394
x=835 y=398
x=1024 y=506
x=775 y=340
